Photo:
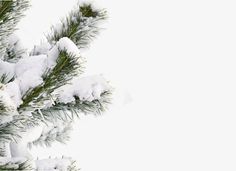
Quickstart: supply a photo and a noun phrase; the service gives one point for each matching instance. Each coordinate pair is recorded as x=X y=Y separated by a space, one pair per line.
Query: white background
x=173 y=65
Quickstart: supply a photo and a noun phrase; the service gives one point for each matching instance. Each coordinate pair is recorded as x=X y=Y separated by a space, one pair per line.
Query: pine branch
x=11 y=131
x=27 y=165
x=14 y=52
x=11 y=12
x=60 y=135
x=6 y=109
x=69 y=111
x=67 y=66
x=73 y=167
x=81 y=25
x=56 y=164
x=96 y=106
x=16 y=166
x=4 y=79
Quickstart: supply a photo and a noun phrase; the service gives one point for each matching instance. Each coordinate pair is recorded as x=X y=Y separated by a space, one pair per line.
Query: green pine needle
x=67 y=67
x=81 y=25
x=11 y=12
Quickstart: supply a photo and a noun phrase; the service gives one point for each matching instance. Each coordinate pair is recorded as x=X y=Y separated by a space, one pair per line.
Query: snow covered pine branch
x=42 y=92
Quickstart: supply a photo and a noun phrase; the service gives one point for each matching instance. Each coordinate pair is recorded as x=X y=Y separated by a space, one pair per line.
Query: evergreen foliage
x=66 y=68
x=16 y=166
x=40 y=104
x=81 y=25
x=11 y=12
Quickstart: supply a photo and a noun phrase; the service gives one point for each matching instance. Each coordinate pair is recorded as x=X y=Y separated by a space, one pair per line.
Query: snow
x=10 y=107
x=5 y=98
x=32 y=67
x=14 y=92
x=56 y=164
x=33 y=133
x=14 y=42
x=20 y=149
x=59 y=126
x=43 y=48
x=33 y=62
x=28 y=74
x=58 y=27
x=86 y=88
x=63 y=44
x=38 y=64
x=53 y=128
x=4 y=160
x=13 y=39
x=28 y=71
x=7 y=68
x=53 y=164
x=27 y=84
x=66 y=44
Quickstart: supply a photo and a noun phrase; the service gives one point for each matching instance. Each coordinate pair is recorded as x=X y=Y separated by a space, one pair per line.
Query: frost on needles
x=42 y=92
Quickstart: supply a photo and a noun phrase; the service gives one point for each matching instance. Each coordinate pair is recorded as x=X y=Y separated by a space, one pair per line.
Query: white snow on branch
x=28 y=71
x=41 y=49
x=64 y=44
x=9 y=107
x=68 y=45
x=14 y=92
x=4 y=160
x=7 y=69
x=15 y=45
x=13 y=162
x=86 y=88
x=13 y=39
x=56 y=164
x=53 y=164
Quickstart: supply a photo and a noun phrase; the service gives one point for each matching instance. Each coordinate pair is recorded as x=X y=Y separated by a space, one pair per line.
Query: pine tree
x=42 y=91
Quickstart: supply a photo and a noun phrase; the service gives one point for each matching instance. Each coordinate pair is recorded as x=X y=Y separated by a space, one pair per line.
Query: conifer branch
x=53 y=135
x=16 y=166
x=73 y=167
x=5 y=78
x=81 y=25
x=11 y=131
x=96 y=106
x=11 y=12
x=13 y=53
x=69 y=111
x=67 y=66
